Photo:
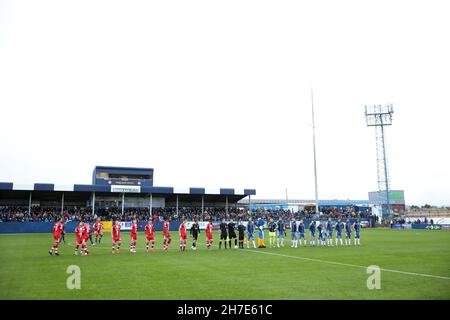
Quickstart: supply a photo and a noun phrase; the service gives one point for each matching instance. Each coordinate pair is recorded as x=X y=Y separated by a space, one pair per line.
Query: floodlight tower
x=379 y=116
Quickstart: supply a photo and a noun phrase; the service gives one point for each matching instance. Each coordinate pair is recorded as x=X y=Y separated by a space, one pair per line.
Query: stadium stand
x=38 y=214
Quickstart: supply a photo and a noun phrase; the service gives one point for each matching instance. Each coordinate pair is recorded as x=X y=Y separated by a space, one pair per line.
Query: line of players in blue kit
x=320 y=233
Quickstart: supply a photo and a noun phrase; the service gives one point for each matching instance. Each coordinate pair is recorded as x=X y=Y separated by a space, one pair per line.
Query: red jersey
x=209 y=230
x=116 y=231
x=134 y=228
x=57 y=229
x=166 y=228
x=183 y=228
x=149 y=230
x=80 y=232
x=87 y=230
x=98 y=226
x=133 y=232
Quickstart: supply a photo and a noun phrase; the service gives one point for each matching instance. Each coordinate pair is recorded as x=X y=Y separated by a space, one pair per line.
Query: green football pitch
x=415 y=264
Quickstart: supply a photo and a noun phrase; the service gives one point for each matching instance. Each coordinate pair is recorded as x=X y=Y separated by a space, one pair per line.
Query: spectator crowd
x=42 y=214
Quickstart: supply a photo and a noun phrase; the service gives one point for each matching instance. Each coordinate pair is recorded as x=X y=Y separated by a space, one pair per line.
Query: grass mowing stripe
x=350 y=265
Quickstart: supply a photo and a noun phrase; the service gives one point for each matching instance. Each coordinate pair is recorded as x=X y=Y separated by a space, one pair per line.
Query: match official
x=232 y=234
x=223 y=233
x=195 y=230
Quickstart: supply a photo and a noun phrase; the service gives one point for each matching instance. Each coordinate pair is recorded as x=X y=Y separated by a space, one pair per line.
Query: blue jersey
x=329 y=226
x=294 y=226
x=250 y=230
x=312 y=229
x=301 y=227
x=348 y=227
x=356 y=226
x=281 y=228
x=319 y=230
x=339 y=227
x=271 y=226
x=251 y=227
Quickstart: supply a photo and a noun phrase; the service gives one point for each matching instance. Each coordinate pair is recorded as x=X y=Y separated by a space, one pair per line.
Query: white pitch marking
x=350 y=265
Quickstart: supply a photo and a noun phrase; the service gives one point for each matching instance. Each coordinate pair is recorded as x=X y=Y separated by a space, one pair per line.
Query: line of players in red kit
x=82 y=234
x=150 y=236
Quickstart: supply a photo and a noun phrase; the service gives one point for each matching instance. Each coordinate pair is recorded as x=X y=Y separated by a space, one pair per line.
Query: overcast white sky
x=217 y=93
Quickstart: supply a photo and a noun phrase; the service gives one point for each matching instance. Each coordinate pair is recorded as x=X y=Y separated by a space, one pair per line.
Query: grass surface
x=29 y=272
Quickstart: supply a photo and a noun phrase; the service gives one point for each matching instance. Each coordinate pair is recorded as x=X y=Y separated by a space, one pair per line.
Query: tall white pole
x=203 y=203
x=314 y=150
x=151 y=205
x=177 y=207
x=123 y=203
x=226 y=204
x=29 y=205
x=62 y=204
x=287 y=201
x=93 y=203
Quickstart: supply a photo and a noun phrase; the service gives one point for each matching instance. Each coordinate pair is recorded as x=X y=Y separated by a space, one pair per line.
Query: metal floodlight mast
x=379 y=116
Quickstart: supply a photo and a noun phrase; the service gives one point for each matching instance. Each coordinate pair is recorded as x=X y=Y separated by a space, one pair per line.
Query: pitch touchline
x=349 y=265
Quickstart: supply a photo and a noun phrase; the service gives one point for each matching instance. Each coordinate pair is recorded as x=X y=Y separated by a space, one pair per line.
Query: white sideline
x=349 y=265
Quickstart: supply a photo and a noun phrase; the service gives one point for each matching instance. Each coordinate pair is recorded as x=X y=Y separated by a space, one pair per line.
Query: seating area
x=42 y=214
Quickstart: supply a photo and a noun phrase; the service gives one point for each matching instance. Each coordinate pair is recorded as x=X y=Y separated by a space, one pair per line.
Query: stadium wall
x=422 y=226
x=32 y=227
x=69 y=227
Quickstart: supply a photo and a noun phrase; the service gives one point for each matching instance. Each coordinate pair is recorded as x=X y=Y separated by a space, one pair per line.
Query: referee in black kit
x=241 y=232
x=195 y=230
x=223 y=233
x=232 y=233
